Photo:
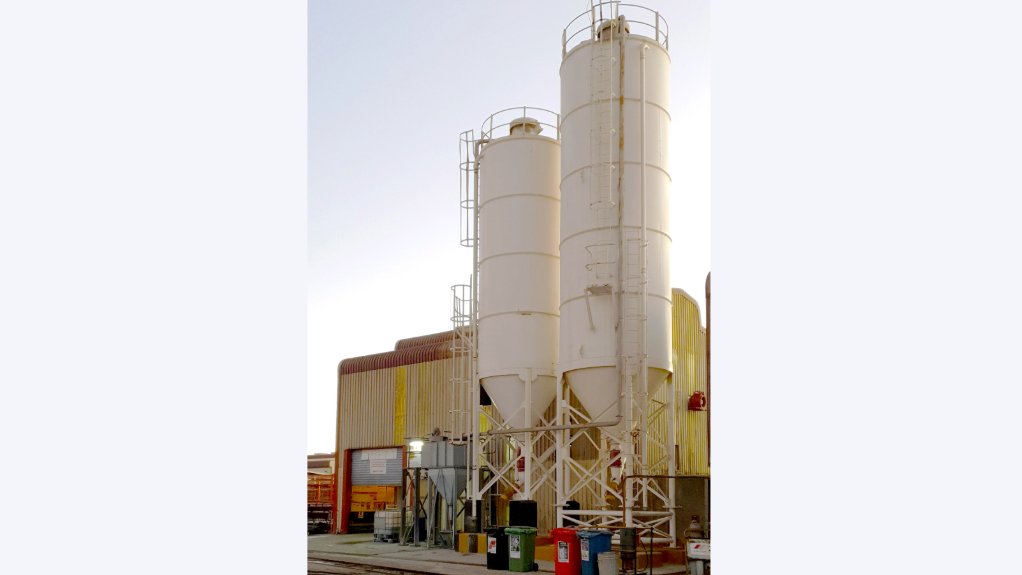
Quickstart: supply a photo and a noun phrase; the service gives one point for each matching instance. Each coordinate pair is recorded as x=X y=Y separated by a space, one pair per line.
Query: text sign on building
x=375 y=454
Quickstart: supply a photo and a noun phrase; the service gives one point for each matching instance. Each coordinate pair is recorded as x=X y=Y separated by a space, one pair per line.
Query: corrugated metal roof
x=406 y=356
x=424 y=340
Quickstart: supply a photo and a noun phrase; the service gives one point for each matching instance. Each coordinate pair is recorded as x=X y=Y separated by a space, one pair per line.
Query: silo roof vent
x=525 y=125
x=604 y=31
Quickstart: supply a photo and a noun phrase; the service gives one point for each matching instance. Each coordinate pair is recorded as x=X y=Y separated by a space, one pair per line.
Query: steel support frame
x=539 y=466
x=642 y=502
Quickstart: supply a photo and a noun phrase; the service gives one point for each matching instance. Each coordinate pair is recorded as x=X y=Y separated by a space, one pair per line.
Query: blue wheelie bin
x=592 y=543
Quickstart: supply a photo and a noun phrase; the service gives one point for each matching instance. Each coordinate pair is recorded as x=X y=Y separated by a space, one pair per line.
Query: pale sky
x=391 y=86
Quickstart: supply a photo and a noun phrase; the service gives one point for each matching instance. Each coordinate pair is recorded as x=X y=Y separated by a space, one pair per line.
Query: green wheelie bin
x=521 y=548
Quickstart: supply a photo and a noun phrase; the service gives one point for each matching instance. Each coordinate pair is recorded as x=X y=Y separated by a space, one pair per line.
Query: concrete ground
x=360 y=549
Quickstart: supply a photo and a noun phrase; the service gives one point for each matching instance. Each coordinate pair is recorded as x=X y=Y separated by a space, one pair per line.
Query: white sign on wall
x=377 y=466
x=373 y=454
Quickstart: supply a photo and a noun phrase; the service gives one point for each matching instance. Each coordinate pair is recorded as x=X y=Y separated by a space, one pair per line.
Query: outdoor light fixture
x=415 y=452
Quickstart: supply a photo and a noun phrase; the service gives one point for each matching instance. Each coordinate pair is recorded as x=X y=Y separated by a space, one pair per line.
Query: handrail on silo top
x=507 y=118
x=652 y=20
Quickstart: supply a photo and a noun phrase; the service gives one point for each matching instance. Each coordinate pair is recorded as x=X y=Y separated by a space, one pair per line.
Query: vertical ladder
x=633 y=317
x=462 y=346
x=463 y=313
x=603 y=132
x=603 y=143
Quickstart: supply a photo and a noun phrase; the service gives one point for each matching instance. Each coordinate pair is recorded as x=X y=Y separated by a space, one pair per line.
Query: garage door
x=376 y=467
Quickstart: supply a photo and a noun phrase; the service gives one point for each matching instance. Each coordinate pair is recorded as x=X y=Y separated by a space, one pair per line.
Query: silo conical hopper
x=519 y=212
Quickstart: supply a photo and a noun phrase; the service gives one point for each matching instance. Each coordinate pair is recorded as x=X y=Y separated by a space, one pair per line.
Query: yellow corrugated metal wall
x=430 y=397
x=689 y=345
x=366 y=402
x=400 y=404
x=383 y=407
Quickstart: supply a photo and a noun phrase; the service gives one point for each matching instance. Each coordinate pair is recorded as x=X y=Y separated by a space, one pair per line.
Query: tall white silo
x=519 y=222
x=615 y=298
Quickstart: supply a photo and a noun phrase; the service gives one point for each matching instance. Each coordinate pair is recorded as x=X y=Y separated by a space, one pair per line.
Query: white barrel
x=607 y=563
x=519 y=222
x=596 y=98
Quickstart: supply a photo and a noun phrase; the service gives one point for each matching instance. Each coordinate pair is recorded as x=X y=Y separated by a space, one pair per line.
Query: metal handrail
x=658 y=25
x=543 y=117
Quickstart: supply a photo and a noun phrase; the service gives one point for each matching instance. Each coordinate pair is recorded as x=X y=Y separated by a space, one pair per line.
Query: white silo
x=615 y=299
x=519 y=222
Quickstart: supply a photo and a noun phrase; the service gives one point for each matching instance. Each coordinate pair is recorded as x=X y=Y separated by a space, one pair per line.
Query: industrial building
x=386 y=401
x=573 y=386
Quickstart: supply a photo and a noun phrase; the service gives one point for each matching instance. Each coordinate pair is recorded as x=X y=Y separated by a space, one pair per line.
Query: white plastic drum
x=607 y=563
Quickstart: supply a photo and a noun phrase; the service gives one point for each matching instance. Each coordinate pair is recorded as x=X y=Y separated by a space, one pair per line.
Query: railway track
x=320 y=566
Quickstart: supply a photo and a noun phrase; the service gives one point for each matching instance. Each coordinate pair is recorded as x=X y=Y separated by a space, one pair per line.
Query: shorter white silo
x=519 y=264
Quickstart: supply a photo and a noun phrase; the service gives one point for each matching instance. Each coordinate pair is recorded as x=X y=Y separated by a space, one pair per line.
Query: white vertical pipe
x=559 y=454
x=527 y=447
x=474 y=322
x=472 y=412
x=626 y=445
x=643 y=364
